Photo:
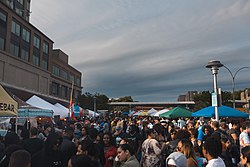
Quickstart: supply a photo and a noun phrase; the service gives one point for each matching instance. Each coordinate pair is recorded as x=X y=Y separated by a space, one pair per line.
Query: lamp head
x=214 y=64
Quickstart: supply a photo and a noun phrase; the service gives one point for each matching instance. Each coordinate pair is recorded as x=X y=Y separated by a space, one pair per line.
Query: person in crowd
x=234 y=131
x=151 y=150
x=226 y=154
x=181 y=134
x=68 y=148
x=20 y=158
x=50 y=155
x=126 y=156
x=118 y=134
x=194 y=134
x=207 y=131
x=77 y=130
x=12 y=143
x=244 y=137
x=81 y=160
x=84 y=133
x=245 y=156
x=106 y=126
x=97 y=151
x=45 y=133
x=185 y=146
x=109 y=149
x=199 y=158
x=33 y=144
x=223 y=127
x=176 y=159
x=212 y=150
x=135 y=139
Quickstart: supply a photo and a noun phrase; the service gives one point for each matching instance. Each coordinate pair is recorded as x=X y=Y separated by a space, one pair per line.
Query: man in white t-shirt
x=212 y=150
x=244 y=137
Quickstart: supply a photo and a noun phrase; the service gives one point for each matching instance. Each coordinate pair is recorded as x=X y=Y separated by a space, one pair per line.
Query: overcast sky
x=153 y=50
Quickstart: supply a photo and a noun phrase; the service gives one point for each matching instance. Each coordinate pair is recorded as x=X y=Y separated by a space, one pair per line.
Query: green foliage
x=87 y=99
x=202 y=100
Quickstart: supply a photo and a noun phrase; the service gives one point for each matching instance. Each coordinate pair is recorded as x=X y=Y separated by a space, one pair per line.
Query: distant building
x=245 y=97
x=189 y=96
x=28 y=63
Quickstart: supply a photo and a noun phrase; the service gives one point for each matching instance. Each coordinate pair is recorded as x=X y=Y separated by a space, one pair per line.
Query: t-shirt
x=216 y=162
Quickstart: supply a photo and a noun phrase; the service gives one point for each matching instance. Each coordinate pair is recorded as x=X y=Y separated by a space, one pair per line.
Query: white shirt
x=216 y=162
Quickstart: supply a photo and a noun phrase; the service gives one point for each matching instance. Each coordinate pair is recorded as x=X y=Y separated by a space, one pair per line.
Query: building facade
x=28 y=63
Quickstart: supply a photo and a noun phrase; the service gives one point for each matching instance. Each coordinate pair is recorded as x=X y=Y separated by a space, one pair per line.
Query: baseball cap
x=176 y=158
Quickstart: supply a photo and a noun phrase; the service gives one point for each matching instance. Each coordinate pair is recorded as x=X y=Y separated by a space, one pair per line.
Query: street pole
x=214 y=66
x=94 y=105
x=233 y=80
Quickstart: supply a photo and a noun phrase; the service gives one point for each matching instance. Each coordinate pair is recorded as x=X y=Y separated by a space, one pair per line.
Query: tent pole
x=16 y=125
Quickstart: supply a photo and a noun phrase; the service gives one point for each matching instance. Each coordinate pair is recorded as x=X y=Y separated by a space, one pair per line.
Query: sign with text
x=8 y=106
x=214 y=99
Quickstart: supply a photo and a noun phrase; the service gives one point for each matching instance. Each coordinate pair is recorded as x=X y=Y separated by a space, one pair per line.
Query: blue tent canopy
x=224 y=111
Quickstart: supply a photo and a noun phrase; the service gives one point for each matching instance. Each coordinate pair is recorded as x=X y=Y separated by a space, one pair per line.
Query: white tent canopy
x=43 y=104
x=92 y=113
x=152 y=111
x=160 y=112
x=64 y=109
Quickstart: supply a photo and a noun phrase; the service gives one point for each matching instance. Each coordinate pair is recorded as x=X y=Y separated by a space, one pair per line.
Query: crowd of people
x=129 y=142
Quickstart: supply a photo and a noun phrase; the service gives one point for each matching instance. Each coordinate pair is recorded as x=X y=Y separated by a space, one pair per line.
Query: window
x=19 y=11
x=28 y=5
x=44 y=64
x=26 y=35
x=10 y=4
x=64 y=91
x=15 y=28
x=71 y=77
x=36 y=41
x=64 y=74
x=55 y=87
x=14 y=49
x=45 y=47
x=78 y=82
x=20 y=1
x=1 y=43
x=56 y=70
x=35 y=60
x=25 y=55
x=2 y=16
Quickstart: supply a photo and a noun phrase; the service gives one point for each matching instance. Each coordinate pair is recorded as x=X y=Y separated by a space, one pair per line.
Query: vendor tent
x=64 y=109
x=92 y=113
x=27 y=110
x=176 y=113
x=160 y=112
x=8 y=105
x=43 y=104
x=223 y=111
x=152 y=112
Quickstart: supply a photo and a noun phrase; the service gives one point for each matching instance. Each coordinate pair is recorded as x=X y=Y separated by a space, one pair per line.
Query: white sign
x=214 y=99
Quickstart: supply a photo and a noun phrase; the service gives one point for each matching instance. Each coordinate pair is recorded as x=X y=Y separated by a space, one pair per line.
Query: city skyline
x=151 y=50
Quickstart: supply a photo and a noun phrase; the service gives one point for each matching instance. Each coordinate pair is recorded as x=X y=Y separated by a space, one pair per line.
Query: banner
x=8 y=106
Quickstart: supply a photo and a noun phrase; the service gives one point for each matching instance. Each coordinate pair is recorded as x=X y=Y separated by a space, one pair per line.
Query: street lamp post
x=214 y=66
x=233 y=80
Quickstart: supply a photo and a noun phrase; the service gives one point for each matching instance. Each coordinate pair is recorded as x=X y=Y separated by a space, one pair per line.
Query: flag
x=71 y=105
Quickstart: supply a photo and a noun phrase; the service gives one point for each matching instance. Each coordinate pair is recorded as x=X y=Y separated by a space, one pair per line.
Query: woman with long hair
x=185 y=146
x=110 y=151
x=151 y=150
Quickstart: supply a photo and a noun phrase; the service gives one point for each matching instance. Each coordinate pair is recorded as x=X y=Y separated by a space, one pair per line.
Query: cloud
x=152 y=50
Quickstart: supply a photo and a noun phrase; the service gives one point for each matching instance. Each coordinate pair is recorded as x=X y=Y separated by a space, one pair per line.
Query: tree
x=203 y=99
x=122 y=99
